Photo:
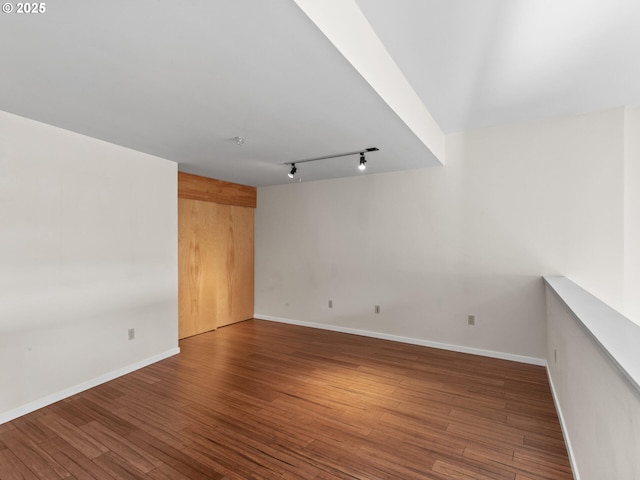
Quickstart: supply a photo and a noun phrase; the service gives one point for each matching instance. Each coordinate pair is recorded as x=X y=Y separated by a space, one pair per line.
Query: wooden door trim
x=207 y=189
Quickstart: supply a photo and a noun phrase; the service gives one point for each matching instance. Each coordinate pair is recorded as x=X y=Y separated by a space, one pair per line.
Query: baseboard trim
x=409 y=340
x=94 y=382
x=563 y=426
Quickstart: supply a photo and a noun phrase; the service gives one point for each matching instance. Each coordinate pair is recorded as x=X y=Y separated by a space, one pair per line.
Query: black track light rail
x=356 y=152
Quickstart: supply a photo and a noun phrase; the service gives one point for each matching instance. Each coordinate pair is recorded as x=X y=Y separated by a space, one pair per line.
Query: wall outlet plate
x=471 y=320
x=131 y=333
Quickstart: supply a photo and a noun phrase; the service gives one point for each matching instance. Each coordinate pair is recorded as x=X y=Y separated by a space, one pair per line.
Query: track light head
x=293 y=170
x=363 y=162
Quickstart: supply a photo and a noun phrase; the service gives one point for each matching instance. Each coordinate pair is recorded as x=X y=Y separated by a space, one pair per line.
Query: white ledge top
x=618 y=336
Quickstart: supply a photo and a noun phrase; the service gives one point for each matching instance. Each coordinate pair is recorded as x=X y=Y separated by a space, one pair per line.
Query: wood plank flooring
x=261 y=400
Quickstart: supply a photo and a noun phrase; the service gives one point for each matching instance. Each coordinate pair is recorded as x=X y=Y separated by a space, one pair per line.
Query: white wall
x=632 y=214
x=600 y=408
x=434 y=245
x=88 y=249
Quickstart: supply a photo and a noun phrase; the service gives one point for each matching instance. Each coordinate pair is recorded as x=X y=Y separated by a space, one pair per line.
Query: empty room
x=320 y=239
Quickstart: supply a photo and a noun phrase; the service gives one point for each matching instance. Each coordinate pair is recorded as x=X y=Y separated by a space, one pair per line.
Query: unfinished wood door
x=215 y=263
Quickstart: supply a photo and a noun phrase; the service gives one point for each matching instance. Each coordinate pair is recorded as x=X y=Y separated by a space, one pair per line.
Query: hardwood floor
x=261 y=400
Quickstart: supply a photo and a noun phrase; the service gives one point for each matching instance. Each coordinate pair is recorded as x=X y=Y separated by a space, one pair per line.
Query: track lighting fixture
x=363 y=162
x=361 y=166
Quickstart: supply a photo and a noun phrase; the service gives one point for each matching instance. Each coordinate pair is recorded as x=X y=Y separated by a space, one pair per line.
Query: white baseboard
x=412 y=341
x=563 y=426
x=94 y=382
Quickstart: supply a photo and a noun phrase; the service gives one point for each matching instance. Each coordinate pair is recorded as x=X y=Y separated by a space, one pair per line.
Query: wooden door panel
x=215 y=264
x=197 y=297
x=235 y=275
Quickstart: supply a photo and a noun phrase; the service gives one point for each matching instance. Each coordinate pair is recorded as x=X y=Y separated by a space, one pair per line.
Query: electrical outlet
x=376 y=309
x=132 y=333
x=330 y=303
x=471 y=320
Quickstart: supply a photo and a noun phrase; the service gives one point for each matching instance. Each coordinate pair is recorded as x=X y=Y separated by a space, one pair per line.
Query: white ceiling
x=181 y=78
x=479 y=63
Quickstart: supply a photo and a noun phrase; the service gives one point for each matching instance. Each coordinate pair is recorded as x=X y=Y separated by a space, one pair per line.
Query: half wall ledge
x=615 y=334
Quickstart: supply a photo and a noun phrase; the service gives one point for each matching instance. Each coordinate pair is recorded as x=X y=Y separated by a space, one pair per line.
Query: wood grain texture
x=197 y=264
x=235 y=270
x=260 y=400
x=217 y=191
x=215 y=265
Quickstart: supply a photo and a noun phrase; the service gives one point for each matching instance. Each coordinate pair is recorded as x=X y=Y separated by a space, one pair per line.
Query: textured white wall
x=88 y=249
x=432 y=246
